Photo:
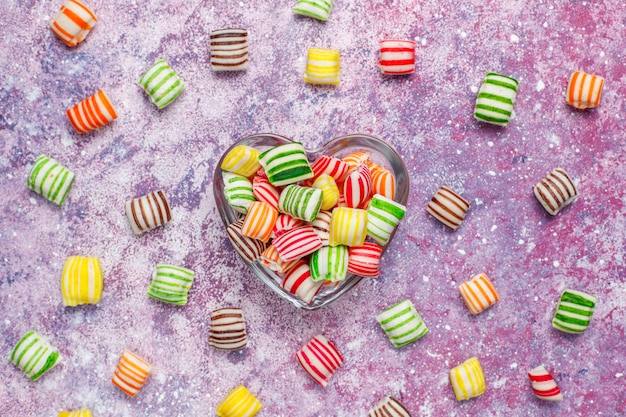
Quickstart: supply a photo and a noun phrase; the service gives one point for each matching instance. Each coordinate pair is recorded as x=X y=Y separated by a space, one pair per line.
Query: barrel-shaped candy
x=297 y=243
x=574 y=311
x=238 y=191
x=556 y=191
x=396 y=57
x=131 y=373
x=383 y=216
x=300 y=202
x=264 y=191
x=383 y=182
x=584 y=90
x=402 y=323
x=148 y=212
x=479 y=293
x=321 y=225
x=330 y=191
x=544 y=386
x=468 y=380
x=229 y=50
x=358 y=187
x=259 y=221
x=249 y=249
x=162 y=84
x=389 y=407
x=320 y=359
x=496 y=98
x=357 y=158
x=50 y=179
x=81 y=281
x=285 y=223
x=323 y=66
x=91 y=113
x=286 y=164
x=239 y=403
x=448 y=207
x=79 y=413
x=335 y=167
x=348 y=227
x=242 y=160
x=73 y=22
x=171 y=284
x=317 y=9
x=34 y=355
x=298 y=282
x=271 y=259
x=365 y=260
x=329 y=263
x=228 y=329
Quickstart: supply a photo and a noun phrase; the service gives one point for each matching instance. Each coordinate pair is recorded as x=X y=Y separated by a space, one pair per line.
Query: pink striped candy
x=358 y=186
x=298 y=282
x=297 y=243
x=320 y=359
x=397 y=57
x=364 y=260
x=285 y=223
x=264 y=191
x=334 y=167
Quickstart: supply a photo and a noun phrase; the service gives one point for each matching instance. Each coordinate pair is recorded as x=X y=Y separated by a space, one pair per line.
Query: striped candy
x=323 y=66
x=229 y=50
x=383 y=216
x=448 y=207
x=242 y=160
x=264 y=191
x=286 y=164
x=468 y=380
x=321 y=225
x=300 y=202
x=73 y=22
x=355 y=159
x=358 y=186
x=320 y=359
x=479 y=293
x=162 y=84
x=91 y=113
x=336 y=168
x=299 y=283
x=329 y=263
x=574 y=311
x=496 y=98
x=584 y=90
x=239 y=403
x=389 y=407
x=228 y=329
x=148 y=212
x=131 y=373
x=171 y=284
x=271 y=259
x=543 y=385
x=402 y=323
x=249 y=249
x=330 y=191
x=285 y=223
x=397 y=57
x=50 y=179
x=297 y=243
x=238 y=191
x=383 y=182
x=81 y=282
x=348 y=226
x=556 y=191
x=80 y=413
x=34 y=355
x=259 y=221
x=317 y=9
x=365 y=260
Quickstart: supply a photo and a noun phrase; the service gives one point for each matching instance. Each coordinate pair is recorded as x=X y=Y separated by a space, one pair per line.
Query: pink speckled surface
x=530 y=257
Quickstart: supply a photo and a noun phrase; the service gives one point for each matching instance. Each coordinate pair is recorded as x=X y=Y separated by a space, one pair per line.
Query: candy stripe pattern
x=584 y=90
x=162 y=84
x=300 y=202
x=383 y=216
x=389 y=407
x=81 y=282
x=468 y=380
x=242 y=160
x=286 y=164
x=397 y=57
x=249 y=249
x=34 y=355
x=299 y=283
x=329 y=263
x=91 y=113
x=323 y=66
x=50 y=179
x=228 y=329
x=297 y=243
x=317 y=9
x=574 y=311
x=259 y=221
x=348 y=227
x=238 y=191
x=543 y=385
x=229 y=50
x=285 y=223
x=330 y=191
x=365 y=260
x=148 y=212
x=556 y=191
x=81 y=413
x=73 y=22
x=131 y=373
x=171 y=284
x=355 y=159
x=239 y=403
x=321 y=225
x=336 y=168
x=264 y=191
x=383 y=182
x=479 y=293
x=271 y=259
x=496 y=98
x=358 y=186
x=402 y=323
x=448 y=207
x=320 y=359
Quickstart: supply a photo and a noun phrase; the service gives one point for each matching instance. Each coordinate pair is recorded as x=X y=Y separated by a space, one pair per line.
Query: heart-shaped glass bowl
x=381 y=153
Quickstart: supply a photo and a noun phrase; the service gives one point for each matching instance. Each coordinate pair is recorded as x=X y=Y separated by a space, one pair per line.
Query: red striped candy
x=358 y=187
x=365 y=260
x=544 y=385
x=285 y=223
x=297 y=243
x=91 y=113
x=334 y=167
x=298 y=282
x=320 y=359
x=397 y=57
x=264 y=191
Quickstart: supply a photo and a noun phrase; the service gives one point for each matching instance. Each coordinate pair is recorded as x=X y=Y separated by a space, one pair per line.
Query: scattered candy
x=242 y=160
x=320 y=359
x=297 y=243
x=448 y=207
x=239 y=403
x=162 y=84
x=228 y=329
x=584 y=90
x=479 y=293
x=259 y=221
x=330 y=191
x=321 y=225
x=317 y=9
x=365 y=260
x=556 y=191
x=300 y=202
x=285 y=223
x=358 y=186
x=329 y=263
x=323 y=66
x=348 y=227
x=383 y=216
x=249 y=249
x=81 y=282
x=543 y=384
x=73 y=22
x=148 y=212
x=355 y=159
x=496 y=98
x=91 y=113
x=286 y=164
x=336 y=168
x=238 y=191
x=264 y=191
x=299 y=283
x=229 y=50
x=389 y=407
x=271 y=259
x=468 y=380
x=34 y=355
x=574 y=311
x=402 y=323
x=397 y=57
x=50 y=179
x=171 y=284
x=80 y=413
x=383 y=182
x=131 y=373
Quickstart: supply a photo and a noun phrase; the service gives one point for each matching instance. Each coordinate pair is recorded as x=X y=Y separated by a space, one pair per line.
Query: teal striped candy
x=329 y=263
x=383 y=216
x=300 y=202
x=402 y=323
x=34 y=355
x=496 y=99
x=171 y=284
x=50 y=179
x=286 y=164
x=574 y=311
x=162 y=84
x=317 y=9
x=238 y=192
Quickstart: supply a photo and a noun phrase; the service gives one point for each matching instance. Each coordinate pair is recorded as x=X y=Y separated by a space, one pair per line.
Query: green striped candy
x=383 y=216
x=496 y=99
x=402 y=323
x=162 y=84
x=317 y=9
x=574 y=311
x=50 y=179
x=329 y=263
x=34 y=355
x=286 y=164
x=171 y=284
x=238 y=192
x=300 y=202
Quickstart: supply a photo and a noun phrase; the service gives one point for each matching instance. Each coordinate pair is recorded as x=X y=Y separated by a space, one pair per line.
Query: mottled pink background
x=427 y=117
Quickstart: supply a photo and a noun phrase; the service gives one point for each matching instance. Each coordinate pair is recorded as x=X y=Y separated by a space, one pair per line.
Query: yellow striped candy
x=468 y=380
x=239 y=403
x=81 y=282
x=242 y=160
x=323 y=66
x=348 y=227
x=80 y=413
x=330 y=191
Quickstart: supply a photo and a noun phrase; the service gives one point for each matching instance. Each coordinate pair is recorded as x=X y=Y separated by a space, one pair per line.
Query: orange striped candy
x=271 y=259
x=91 y=113
x=383 y=182
x=131 y=373
x=259 y=221
x=584 y=90
x=73 y=22
x=479 y=293
x=357 y=158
